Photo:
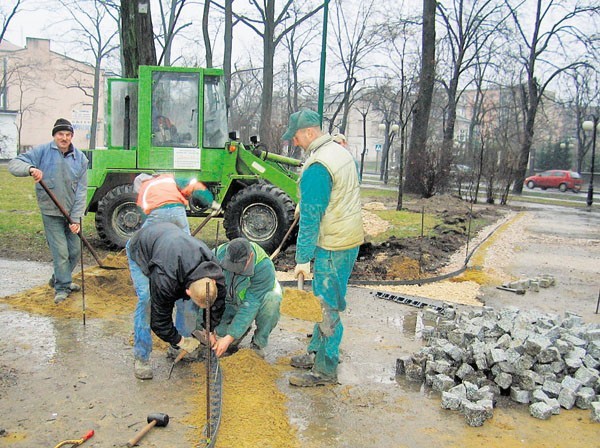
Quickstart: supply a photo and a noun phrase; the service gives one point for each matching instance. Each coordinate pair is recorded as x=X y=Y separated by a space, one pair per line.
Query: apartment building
x=38 y=86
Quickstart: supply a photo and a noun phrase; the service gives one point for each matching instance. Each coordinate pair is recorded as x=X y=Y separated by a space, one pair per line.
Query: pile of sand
x=254 y=411
x=373 y=224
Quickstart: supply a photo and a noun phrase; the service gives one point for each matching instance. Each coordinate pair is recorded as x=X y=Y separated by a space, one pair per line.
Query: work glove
x=188 y=344
x=303 y=268
x=216 y=207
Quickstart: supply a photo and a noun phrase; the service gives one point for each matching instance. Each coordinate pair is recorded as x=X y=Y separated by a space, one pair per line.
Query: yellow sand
x=254 y=412
x=301 y=305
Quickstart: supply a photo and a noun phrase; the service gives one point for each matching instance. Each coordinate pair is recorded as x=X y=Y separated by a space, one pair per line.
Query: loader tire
x=118 y=217
x=261 y=213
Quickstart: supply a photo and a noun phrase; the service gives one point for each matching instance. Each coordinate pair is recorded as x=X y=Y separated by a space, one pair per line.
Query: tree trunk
x=448 y=139
x=418 y=140
x=532 y=101
x=137 y=37
x=94 y=123
x=266 y=106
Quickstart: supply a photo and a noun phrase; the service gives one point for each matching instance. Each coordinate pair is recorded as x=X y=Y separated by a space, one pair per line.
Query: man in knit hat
x=64 y=171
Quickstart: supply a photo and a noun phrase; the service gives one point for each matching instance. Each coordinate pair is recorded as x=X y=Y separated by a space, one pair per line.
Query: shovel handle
x=204 y=222
x=300 y=281
x=285 y=237
x=68 y=217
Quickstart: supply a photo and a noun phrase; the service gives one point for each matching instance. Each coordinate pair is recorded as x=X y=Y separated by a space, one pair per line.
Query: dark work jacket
x=172 y=260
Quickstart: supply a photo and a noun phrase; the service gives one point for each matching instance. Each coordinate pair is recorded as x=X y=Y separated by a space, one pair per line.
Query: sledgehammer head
x=161 y=419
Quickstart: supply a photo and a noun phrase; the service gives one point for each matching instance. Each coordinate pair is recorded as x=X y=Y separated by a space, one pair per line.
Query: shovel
x=205 y=221
x=300 y=281
x=80 y=234
x=285 y=237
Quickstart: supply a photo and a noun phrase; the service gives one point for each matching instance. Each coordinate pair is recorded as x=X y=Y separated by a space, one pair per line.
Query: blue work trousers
x=187 y=311
x=172 y=213
x=332 y=271
x=65 y=248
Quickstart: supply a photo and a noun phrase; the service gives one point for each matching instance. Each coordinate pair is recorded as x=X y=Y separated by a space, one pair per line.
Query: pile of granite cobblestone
x=474 y=357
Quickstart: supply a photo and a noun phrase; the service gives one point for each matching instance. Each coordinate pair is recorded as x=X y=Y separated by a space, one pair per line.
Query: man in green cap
x=253 y=295
x=330 y=233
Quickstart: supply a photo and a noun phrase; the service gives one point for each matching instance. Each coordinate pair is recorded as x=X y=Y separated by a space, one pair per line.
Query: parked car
x=562 y=179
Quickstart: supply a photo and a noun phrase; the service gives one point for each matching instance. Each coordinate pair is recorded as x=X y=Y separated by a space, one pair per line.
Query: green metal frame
x=224 y=170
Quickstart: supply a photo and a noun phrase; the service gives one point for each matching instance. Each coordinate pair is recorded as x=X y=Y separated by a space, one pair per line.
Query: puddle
x=48 y=340
x=34 y=335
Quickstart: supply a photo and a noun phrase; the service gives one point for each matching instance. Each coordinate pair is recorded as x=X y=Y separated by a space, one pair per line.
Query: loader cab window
x=123 y=114
x=215 y=112
x=175 y=109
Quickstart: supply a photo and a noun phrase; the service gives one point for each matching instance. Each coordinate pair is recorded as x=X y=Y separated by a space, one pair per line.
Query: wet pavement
x=60 y=379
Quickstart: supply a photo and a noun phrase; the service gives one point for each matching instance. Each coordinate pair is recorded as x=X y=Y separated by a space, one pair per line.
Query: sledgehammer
x=160 y=420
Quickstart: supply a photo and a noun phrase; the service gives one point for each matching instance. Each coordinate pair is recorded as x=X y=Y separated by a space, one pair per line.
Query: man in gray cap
x=330 y=233
x=64 y=170
x=253 y=295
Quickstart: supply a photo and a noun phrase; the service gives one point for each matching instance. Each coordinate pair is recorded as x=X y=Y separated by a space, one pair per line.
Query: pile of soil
x=393 y=259
x=413 y=257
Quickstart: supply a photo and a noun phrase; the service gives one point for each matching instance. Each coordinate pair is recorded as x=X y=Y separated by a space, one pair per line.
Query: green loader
x=174 y=120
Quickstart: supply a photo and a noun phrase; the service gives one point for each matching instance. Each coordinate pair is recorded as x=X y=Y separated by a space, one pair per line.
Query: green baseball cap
x=302 y=119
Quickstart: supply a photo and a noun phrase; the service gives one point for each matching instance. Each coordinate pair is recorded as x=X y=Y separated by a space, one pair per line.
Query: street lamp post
x=388 y=145
x=591 y=126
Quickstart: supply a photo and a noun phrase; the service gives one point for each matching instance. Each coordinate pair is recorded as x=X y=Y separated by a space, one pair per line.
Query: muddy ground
x=60 y=378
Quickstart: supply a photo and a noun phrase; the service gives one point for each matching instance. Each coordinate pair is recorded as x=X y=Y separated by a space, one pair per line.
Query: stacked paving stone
x=532 y=284
x=541 y=360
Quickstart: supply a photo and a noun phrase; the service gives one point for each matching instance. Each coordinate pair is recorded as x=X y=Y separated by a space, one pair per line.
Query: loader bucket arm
x=270 y=168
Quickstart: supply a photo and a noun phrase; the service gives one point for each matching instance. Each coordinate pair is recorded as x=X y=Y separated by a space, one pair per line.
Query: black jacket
x=172 y=260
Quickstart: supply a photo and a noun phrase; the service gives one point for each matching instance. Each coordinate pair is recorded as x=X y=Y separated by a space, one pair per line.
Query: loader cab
x=174 y=120
x=169 y=115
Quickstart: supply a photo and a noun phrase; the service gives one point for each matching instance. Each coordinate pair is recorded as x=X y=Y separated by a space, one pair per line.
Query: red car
x=562 y=179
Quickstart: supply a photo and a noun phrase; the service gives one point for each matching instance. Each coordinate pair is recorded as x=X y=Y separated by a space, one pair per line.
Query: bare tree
x=420 y=124
x=543 y=56
x=169 y=17
x=469 y=25
x=7 y=16
x=95 y=33
x=297 y=42
x=364 y=106
x=266 y=24
x=245 y=101
x=400 y=39
x=355 y=38
x=20 y=76
x=583 y=93
x=386 y=100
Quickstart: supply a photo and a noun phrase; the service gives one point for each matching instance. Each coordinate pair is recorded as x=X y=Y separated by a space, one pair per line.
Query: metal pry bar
x=214 y=386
